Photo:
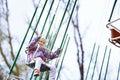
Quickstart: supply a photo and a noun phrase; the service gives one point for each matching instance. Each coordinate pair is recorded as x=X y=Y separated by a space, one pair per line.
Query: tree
x=79 y=43
x=1 y=74
x=6 y=38
x=78 y=39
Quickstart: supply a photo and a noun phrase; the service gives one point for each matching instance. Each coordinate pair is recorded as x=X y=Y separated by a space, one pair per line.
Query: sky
x=93 y=17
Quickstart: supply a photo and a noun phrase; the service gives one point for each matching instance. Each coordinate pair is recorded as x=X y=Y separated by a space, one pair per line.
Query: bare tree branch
x=9 y=37
x=79 y=44
x=10 y=40
x=4 y=57
x=78 y=41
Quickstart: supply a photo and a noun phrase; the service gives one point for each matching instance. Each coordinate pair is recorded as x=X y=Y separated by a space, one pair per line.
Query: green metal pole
x=11 y=69
x=57 y=60
x=50 y=27
x=49 y=40
x=118 y=72
x=32 y=75
x=112 y=10
x=47 y=16
x=107 y=64
x=63 y=59
x=60 y=24
x=95 y=62
x=102 y=63
x=48 y=30
x=47 y=73
x=38 y=20
x=35 y=77
x=67 y=24
x=59 y=27
x=90 y=60
x=64 y=41
x=69 y=21
x=58 y=31
x=52 y=20
x=66 y=28
x=42 y=73
x=37 y=26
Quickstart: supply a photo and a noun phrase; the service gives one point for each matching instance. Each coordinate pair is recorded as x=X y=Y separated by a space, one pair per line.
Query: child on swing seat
x=37 y=52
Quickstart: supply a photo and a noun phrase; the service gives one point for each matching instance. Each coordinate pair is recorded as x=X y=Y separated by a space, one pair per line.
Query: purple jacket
x=42 y=52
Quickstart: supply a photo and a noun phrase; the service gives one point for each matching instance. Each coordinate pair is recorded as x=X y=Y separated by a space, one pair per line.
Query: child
x=38 y=52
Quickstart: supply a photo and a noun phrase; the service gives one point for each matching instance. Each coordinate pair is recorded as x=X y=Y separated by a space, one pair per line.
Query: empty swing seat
x=42 y=68
x=115 y=36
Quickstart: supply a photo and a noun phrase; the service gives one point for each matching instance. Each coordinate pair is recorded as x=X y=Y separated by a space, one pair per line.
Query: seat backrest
x=114 y=33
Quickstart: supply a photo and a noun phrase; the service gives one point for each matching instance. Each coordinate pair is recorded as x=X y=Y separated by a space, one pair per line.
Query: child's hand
x=60 y=49
x=39 y=36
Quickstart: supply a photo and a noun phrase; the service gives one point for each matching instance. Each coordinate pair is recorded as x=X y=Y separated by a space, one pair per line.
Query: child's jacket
x=41 y=52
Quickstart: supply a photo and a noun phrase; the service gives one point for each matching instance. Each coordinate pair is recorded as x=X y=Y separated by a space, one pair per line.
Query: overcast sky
x=93 y=17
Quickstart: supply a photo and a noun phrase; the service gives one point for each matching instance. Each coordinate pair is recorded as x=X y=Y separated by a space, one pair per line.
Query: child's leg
x=38 y=62
x=52 y=72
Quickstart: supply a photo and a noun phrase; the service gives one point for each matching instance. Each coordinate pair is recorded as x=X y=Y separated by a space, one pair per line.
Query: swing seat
x=115 y=36
x=42 y=68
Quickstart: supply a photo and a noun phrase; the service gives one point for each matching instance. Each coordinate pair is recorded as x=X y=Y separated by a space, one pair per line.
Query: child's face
x=42 y=42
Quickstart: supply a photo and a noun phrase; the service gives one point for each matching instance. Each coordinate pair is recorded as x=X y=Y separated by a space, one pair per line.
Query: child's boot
x=36 y=72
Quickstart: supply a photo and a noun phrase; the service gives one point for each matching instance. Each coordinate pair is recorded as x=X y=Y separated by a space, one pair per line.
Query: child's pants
x=38 y=63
